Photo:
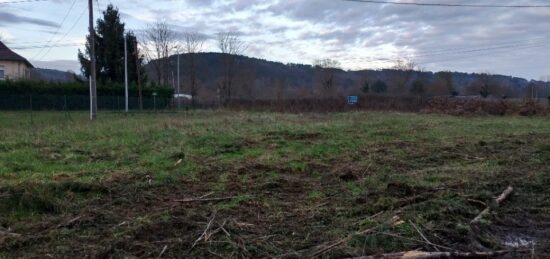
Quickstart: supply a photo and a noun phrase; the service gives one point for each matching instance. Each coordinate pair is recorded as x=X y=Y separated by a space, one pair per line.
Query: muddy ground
x=273 y=185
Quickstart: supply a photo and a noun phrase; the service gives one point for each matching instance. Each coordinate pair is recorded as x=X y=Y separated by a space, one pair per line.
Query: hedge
x=80 y=88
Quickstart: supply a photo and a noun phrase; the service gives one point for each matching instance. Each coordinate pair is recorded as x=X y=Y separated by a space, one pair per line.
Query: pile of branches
x=481 y=106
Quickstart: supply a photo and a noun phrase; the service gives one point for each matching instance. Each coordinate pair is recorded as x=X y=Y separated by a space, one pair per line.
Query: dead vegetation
x=480 y=106
x=458 y=106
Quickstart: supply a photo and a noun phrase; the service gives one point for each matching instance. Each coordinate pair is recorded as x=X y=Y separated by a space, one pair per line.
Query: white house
x=12 y=65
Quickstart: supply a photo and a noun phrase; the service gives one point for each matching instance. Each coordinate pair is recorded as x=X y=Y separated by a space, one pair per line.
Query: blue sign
x=352 y=100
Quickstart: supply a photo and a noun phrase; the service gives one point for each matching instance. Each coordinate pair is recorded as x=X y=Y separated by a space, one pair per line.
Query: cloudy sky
x=510 y=41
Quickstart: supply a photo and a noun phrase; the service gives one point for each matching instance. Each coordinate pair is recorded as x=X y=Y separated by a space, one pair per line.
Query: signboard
x=352 y=100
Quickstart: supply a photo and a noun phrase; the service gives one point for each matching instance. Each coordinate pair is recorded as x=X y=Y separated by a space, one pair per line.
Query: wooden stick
x=498 y=201
x=504 y=195
x=163 y=250
x=206 y=199
x=411 y=239
x=341 y=241
x=204 y=235
x=206 y=195
x=423 y=236
x=394 y=220
x=428 y=255
x=477 y=202
x=10 y=234
x=69 y=223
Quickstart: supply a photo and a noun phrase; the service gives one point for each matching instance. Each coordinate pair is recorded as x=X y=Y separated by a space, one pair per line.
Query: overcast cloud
x=508 y=41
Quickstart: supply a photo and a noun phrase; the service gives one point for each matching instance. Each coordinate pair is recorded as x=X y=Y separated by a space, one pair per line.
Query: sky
x=508 y=41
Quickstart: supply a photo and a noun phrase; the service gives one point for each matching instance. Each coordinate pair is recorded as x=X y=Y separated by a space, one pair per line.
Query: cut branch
x=393 y=221
x=9 y=234
x=206 y=199
x=427 y=255
x=498 y=201
x=423 y=236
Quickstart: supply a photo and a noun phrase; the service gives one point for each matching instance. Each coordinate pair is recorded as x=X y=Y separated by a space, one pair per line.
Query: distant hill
x=260 y=78
x=52 y=75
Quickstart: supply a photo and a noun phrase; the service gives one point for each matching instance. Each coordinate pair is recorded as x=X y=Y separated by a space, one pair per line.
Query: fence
x=78 y=102
x=340 y=104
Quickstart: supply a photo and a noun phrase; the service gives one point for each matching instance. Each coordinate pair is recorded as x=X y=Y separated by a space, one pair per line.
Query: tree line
x=157 y=43
x=159 y=52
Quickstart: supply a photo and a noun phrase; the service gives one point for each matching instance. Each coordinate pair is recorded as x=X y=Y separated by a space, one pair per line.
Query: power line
x=480 y=55
x=479 y=52
x=458 y=51
x=66 y=33
x=22 y=1
x=462 y=57
x=448 y=5
x=58 y=28
x=502 y=43
x=47 y=46
x=99 y=11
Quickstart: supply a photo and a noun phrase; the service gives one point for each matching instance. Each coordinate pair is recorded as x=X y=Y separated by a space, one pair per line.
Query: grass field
x=289 y=185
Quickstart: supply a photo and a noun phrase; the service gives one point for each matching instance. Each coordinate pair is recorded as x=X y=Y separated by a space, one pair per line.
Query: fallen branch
x=423 y=236
x=477 y=202
x=497 y=203
x=205 y=235
x=206 y=199
x=9 y=234
x=393 y=221
x=70 y=222
x=412 y=239
x=163 y=250
x=428 y=255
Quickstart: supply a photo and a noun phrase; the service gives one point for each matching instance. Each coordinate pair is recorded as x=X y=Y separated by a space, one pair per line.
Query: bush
x=379 y=87
x=465 y=106
x=79 y=88
x=335 y=104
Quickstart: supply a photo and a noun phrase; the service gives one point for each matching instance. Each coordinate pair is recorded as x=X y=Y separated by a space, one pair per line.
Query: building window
x=1 y=72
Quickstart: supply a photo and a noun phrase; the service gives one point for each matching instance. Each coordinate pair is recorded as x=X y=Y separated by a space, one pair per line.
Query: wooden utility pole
x=93 y=89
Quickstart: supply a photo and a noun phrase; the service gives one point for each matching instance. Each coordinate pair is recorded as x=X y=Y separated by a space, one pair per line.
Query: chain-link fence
x=47 y=102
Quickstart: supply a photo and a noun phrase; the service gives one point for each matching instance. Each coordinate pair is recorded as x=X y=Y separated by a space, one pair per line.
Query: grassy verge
x=295 y=183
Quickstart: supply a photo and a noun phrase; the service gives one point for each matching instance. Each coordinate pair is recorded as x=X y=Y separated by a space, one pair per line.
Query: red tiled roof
x=8 y=55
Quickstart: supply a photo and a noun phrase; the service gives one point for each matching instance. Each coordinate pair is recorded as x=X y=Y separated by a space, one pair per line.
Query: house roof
x=7 y=54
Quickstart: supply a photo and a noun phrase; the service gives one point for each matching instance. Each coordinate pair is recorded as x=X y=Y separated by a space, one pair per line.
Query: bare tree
x=231 y=46
x=159 y=41
x=446 y=77
x=484 y=85
x=405 y=71
x=326 y=71
x=192 y=44
x=544 y=88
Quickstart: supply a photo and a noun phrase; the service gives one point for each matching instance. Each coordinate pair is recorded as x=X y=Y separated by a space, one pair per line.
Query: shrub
x=79 y=88
x=379 y=87
x=463 y=106
x=417 y=87
x=366 y=87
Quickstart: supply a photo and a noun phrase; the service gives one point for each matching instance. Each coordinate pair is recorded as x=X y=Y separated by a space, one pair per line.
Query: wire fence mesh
x=47 y=102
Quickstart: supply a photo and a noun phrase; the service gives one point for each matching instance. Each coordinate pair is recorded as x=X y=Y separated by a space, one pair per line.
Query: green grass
x=298 y=181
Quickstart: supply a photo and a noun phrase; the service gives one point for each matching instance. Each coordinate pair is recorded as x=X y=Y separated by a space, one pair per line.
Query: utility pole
x=138 y=72
x=173 y=80
x=93 y=89
x=178 y=100
x=125 y=74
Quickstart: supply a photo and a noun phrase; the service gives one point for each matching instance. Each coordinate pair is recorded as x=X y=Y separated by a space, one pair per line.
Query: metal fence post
x=30 y=102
